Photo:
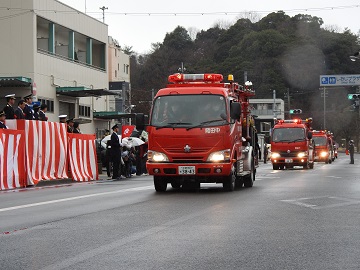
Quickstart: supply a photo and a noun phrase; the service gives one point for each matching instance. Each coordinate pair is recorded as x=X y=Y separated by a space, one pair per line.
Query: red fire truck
x=324 y=146
x=200 y=132
x=292 y=144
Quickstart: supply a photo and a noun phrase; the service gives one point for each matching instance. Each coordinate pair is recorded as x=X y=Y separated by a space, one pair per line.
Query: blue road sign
x=340 y=80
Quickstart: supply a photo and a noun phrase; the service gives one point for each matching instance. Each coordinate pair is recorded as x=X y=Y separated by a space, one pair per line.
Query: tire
x=311 y=165
x=229 y=181
x=160 y=184
x=276 y=167
x=249 y=179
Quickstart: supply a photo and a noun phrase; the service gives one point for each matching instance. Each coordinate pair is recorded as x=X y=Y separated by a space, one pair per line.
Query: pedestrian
x=70 y=125
x=28 y=112
x=266 y=152
x=19 y=112
x=2 y=120
x=108 y=162
x=76 y=128
x=43 y=110
x=351 y=149
x=115 y=152
x=8 y=109
x=36 y=109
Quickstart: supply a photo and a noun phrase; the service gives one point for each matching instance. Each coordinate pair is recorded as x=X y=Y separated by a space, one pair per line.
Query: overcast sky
x=147 y=22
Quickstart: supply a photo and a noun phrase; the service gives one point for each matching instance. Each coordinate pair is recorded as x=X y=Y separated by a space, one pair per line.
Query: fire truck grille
x=187 y=160
x=181 y=150
x=286 y=154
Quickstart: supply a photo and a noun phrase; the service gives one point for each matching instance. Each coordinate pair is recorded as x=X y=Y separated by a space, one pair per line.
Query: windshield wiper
x=298 y=140
x=204 y=123
x=173 y=125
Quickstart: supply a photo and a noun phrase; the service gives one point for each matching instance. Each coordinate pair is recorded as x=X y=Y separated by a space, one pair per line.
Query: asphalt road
x=290 y=219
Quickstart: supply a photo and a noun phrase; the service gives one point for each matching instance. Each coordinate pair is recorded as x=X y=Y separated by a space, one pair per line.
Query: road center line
x=75 y=198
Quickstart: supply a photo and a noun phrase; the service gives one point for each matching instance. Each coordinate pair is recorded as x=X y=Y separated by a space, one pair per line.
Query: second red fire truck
x=292 y=144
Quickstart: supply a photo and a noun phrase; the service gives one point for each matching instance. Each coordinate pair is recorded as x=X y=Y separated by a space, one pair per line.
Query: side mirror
x=309 y=135
x=235 y=110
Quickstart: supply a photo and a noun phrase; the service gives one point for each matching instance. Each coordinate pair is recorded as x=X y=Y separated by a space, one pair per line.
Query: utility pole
x=324 y=93
x=274 y=105
x=288 y=96
x=182 y=69
x=103 y=8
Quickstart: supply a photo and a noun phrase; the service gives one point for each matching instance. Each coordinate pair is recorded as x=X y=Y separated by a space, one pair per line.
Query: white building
x=266 y=110
x=60 y=55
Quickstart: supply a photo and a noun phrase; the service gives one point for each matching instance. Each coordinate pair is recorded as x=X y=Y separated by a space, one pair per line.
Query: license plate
x=288 y=160
x=186 y=169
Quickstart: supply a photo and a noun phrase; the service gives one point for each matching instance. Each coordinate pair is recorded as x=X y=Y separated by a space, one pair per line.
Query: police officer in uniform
x=36 y=108
x=70 y=125
x=28 y=112
x=8 y=109
x=62 y=118
x=2 y=120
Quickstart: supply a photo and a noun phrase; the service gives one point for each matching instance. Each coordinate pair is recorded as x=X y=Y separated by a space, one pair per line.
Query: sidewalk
x=43 y=183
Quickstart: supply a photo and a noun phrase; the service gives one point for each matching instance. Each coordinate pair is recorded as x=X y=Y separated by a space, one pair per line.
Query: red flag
x=126 y=131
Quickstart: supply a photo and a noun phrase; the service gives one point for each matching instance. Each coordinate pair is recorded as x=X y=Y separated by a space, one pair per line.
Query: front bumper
x=194 y=169
x=293 y=161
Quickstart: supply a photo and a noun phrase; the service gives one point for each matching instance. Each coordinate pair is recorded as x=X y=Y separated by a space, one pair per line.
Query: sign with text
x=340 y=80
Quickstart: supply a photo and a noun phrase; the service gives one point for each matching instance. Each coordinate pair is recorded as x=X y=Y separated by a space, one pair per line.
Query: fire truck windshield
x=319 y=140
x=189 y=111
x=288 y=134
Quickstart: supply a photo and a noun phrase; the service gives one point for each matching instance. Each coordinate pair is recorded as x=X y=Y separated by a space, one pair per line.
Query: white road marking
x=75 y=198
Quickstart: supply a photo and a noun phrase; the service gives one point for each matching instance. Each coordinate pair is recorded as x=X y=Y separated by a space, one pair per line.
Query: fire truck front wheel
x=250 y=178
x=160 y=183
x=229 y=181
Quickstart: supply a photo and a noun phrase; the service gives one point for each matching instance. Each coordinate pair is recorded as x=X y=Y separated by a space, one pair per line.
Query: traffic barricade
x=12 y=159
x=82 y=157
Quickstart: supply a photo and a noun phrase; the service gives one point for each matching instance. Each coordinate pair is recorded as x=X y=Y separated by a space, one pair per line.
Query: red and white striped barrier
x=45 y=148
x=12 y=159
x=82 y=157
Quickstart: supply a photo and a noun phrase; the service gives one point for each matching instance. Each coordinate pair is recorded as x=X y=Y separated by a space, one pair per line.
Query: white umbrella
x=132 y=141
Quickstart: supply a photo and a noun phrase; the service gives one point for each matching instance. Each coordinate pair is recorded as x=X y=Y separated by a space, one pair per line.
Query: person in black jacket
x=19 y=112
x=28 y=112
x=43 y=110
x=2 y=120
x=8 y=109
x=115 y=152
x=351 y=149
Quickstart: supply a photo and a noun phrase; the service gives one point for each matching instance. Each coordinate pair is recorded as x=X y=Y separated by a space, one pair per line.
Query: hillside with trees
x=278 y=52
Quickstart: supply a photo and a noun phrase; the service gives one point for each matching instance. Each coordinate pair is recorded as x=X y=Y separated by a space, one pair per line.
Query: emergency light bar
x=296 y=121
x=210 y=77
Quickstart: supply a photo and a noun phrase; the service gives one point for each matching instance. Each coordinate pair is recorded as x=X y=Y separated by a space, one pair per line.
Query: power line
x=188 y=13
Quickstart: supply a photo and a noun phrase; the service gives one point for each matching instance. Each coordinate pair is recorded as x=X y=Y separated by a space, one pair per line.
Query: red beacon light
x=181 y=78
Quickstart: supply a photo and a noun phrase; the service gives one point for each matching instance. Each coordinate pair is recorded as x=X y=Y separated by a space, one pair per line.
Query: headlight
x=302 y=154
x=154 y=156
x=323 y=154
x=219 y=156
x=275 y=155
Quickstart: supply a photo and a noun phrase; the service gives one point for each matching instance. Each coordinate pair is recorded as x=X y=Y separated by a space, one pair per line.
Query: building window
x=115 y=52
x=48 y=102
x=127 y=69
x=115 y=73
x=265 y=126
x=84 y=111
x=118 y=66
x=124 y=68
